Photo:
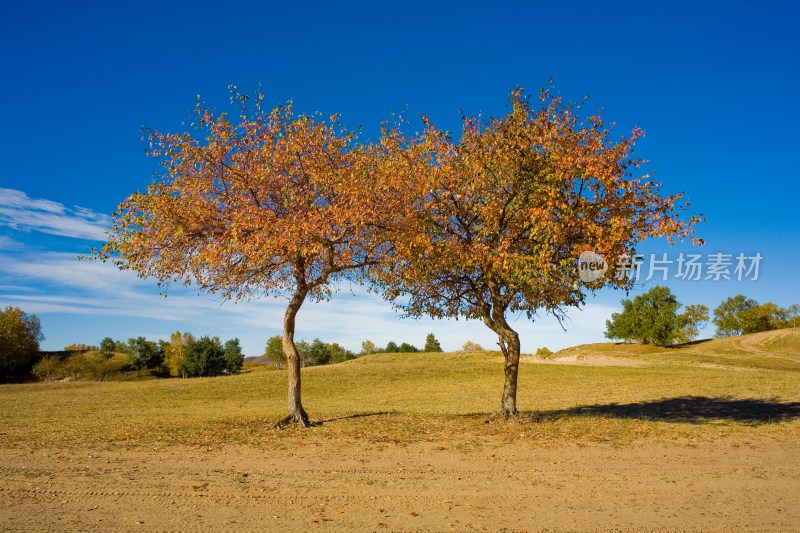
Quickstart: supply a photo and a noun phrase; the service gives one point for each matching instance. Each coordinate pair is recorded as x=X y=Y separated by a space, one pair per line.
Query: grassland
x=408 y=397
x=742 y=392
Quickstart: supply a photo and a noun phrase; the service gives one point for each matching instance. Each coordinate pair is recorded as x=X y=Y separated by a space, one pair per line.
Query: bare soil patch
x=727 y=485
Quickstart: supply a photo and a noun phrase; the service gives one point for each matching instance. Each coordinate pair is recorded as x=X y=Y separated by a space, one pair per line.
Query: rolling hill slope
x=775 y=350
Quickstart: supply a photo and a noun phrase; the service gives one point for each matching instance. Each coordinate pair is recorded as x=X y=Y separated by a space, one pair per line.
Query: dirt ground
x=496 y=486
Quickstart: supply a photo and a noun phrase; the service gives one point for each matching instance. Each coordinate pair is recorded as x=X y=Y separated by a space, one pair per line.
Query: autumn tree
x=20 y=334
x=495 y=222
x=175 y=353
x=368 y=347
x=268 y=203
x=274 y=350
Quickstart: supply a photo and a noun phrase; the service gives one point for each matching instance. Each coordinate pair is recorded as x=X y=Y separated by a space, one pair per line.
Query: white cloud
x=20 y=212
x=100 y=293
x=7 y=244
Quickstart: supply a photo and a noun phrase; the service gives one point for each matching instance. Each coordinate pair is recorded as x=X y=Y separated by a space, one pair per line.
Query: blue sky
x=713 y=85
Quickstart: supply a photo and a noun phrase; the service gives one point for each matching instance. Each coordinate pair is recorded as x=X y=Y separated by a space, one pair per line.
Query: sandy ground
x=728 y=486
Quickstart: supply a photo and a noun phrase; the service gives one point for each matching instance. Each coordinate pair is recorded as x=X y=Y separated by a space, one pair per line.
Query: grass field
x=743 y=392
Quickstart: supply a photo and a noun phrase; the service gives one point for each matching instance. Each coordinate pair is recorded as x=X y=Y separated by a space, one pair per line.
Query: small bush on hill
x=470 y=346
x=544 y=352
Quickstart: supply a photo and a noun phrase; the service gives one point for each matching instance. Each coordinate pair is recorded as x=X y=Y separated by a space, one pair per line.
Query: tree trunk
x=509 y=344
x=296 y=414
x=508 y=339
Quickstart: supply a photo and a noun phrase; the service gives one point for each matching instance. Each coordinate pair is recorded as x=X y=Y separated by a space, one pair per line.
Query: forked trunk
x=296 y=414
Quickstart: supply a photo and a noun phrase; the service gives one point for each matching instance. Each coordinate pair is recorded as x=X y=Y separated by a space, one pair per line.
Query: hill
x=769 y=350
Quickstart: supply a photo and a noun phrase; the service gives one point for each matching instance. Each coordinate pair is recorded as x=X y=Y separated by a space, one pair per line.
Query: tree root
x=502 y=414
x=295 y=419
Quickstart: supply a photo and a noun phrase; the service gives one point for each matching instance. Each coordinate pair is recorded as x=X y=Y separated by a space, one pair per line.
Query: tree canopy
x=20 y=334
x=740 y=315
x=274 y=203
x=653 y=318
x=495 y=222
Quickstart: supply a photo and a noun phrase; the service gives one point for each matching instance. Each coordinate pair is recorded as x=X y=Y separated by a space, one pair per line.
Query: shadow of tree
x=355 y=415
x=692 y=409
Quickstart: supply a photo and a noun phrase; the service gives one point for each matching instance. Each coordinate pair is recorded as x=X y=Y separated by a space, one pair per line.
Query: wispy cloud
x=19 y=212
x=7 y=243
x=98 y=291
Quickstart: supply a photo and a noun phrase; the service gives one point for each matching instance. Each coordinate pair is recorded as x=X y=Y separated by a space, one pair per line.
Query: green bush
x=204 y=357
x=544 y=352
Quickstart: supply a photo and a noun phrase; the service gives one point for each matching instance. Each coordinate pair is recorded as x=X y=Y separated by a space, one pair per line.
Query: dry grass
x=770 y=350
x=403 y=398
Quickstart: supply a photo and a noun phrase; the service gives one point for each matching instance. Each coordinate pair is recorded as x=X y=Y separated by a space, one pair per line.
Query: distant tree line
x=740 y=315
x=653 y=318
x=183 y=355
x=316 y=352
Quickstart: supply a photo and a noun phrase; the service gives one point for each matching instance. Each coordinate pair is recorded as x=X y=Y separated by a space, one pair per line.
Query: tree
x=80 y=347
x=340 y=353
x=143 y=354
x=274 y=350
x=493 y=224
x=120 y=347
x=274 y=204
x=652 y=318
x=727 y=315
x=107 y=346
x=739 y=315
x=175 y=353
x=319 y=353
x=431 y=344
x=368 y=347
x=407 y=348
x=234 y=358
x=391 y=347
x=691 y=321
x=20 y=334
x=204 y=357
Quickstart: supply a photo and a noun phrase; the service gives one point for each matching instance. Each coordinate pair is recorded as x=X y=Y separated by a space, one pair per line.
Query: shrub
x=49 y=368
x=470 y=346
x=544 y=352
